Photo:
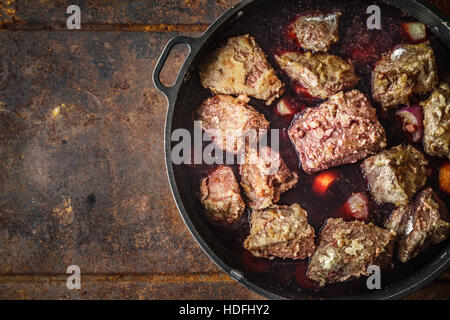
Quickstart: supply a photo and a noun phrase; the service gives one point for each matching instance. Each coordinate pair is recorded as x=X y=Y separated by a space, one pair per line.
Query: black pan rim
x=421 y=10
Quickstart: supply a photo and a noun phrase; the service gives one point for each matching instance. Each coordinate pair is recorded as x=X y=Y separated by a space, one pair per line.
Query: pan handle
x=190 y=42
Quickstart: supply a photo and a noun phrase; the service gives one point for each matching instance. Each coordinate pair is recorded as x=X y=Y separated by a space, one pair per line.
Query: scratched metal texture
x=82 y=174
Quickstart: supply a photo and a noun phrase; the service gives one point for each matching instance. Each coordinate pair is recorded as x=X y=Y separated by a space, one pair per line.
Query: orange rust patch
x=167 y=278
x=64 y=211
x=14 y=25
x=7 y=11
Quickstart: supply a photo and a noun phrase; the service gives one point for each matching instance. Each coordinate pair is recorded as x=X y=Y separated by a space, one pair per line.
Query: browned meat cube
x=408 y=69
x=280 y=231
x=317 y=32
x=395 y=175
x=228 y=120
x=436 y=109
x=342 y=130
x=220 y=195
x=240 y=67
x=322 y=75
x=419 y=225
x=264 y=177
x=346 y=249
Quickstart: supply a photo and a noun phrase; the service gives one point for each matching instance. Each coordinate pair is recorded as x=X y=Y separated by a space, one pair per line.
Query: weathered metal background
x=82 y=174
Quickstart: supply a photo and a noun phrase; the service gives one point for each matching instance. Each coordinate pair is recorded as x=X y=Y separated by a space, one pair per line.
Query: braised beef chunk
x=220 y=195
x=420 y=224
x=399 y=220
x=280 y=231
x=229 y=120
x=395 y=175
x=406 y=70
x=317 y=32
x=264 y=177
x=342 y=130
x=347 y=249
x=436 y=140
x=322 y=75
x=240 y=67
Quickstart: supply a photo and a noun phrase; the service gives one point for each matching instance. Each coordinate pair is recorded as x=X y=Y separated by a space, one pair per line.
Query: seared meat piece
x=280 y=231
x=322 y=75
x=419 y=225
x=317 y=32
x=240 y=67
x=228 y=120
x=342 y=130
x=408 y=69
x=346 y=249
x=396 y=174
x=220 y=195
x=264 y=177
x=436 y=140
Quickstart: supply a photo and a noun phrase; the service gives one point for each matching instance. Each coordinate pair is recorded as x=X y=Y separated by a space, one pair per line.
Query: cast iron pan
x=186 y=95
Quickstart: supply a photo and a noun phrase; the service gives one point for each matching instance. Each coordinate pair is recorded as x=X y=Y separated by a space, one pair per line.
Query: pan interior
x=267 y=22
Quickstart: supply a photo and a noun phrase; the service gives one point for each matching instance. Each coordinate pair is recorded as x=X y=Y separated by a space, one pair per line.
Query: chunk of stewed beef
x=240 y=67
x=229 y=121
x=347 y=249
x=280 y=231
x=317 y=32
x=322 y=75
x=406 y=70
x=395 y=175
x=419 y=225
x=264 y=177
x=436 y=109
x=220 y=195
x=342 y=130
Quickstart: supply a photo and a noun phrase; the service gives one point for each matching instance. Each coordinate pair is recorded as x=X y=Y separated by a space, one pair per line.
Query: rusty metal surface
x=82 y=175
x=82 y=167
x=115 y=12
x=165 y=15
x=127 y=289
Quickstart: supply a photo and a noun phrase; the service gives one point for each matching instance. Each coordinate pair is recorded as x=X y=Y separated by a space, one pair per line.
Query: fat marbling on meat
x=229 y=120
x=241 y=67
x=420 y=224
x=280 y=231
x=343 y=129
x=436 y=109
x=317 y=32
x=321 y=74
x=395 y=175
x=347 y=249
x=220 y=195
x=406 y=70
x=264 y=177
